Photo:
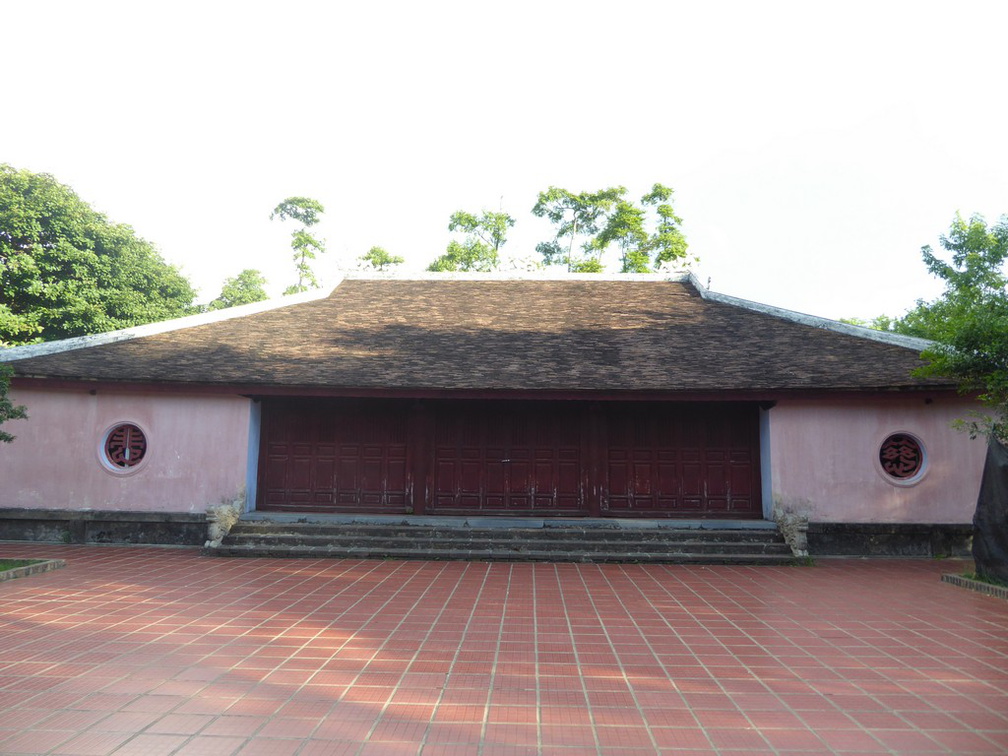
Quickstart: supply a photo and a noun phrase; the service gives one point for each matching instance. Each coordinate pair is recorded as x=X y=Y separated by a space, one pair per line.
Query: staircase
x=505 y=539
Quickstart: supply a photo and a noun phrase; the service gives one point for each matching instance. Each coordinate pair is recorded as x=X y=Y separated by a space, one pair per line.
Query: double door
x=620 y=459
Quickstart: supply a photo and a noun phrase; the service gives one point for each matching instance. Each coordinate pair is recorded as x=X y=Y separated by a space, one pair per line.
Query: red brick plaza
x=163 y=651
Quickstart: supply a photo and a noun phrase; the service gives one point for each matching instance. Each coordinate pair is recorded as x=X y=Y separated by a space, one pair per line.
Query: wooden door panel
x=514 y=458
x=681 y=460
x=334 y=456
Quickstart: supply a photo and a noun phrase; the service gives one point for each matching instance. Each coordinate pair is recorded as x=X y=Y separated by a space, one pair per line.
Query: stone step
x=511 y=555
x=448 y=541
x=552 y=533
x=507 y=539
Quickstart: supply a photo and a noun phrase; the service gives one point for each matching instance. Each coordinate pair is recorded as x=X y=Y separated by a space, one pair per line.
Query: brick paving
x=163 y=651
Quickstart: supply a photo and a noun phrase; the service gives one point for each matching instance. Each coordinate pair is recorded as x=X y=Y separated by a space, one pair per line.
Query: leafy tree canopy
x=307 y=212
x=667 y=244
x=66 y=270
x=245 y=288
x=378 y=259
x=478 y=250
x=304 y=210
x=969 y=321
x=464 y=257
x=8 y=410
x=606 y=218
x=576 y=216
x=881 y=323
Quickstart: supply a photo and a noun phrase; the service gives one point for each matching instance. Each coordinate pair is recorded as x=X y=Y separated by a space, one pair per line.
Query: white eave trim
x=860 y=332
x=11 y=354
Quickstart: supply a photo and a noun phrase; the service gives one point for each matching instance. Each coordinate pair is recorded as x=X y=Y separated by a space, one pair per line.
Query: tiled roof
x=491 y=334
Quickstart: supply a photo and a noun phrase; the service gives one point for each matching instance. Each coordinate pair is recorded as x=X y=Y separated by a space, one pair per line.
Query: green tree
x=307 y=212
x=626 y=228
x=479 y=248
x=67 y=270
x=969 y=322
x=245 y=288
x=575 y=216
x=642 y=251
x=8 y=410
x=605 y=218
x=379 y=259
x=666 y=246
x=880 y=323
x=913 y=323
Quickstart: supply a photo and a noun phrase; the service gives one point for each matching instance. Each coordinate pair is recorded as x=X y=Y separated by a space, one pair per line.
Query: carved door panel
x=507 y=458
x=682 y=461
x=334 y=457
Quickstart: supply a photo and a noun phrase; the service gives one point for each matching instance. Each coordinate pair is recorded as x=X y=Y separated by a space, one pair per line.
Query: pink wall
x=824 y=460
x=823 y=455
x=197 y=451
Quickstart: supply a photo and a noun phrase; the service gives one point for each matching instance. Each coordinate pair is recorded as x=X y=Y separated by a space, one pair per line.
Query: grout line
x=430 y=632
x=577 y=657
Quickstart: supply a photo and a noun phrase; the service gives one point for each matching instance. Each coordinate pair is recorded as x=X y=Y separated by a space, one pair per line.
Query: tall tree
x=307 y=212
x=625 y=228
x=8 y=410
x=378 y=259
x=245 y=288
x=478 y=250
x=576 y=216
x=666 y=246
x=67 y=270
x=605 y=218
x=641 y=250
x=969 y=322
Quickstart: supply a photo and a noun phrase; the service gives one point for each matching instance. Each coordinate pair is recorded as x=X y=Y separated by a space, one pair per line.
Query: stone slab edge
x=47 y=565
x=503 y=522
x=979 y=586
x=91 y=515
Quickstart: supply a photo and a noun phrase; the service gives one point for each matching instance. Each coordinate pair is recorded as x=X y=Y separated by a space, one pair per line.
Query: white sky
x=814 y=147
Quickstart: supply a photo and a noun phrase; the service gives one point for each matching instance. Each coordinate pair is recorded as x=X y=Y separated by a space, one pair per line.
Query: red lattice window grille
x=125 y=446
x=901 y=456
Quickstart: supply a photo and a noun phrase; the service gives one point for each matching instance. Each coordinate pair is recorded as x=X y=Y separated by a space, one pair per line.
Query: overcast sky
x=814 y=147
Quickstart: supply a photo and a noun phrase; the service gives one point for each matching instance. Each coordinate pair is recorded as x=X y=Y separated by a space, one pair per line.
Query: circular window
x=901 y=457
x=124 y=447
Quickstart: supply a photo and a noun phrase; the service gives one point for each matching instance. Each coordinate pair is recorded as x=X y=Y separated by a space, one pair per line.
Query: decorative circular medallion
x=901 y=456
x=125 y=446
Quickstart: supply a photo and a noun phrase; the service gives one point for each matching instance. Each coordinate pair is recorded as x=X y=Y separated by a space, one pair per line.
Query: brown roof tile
x=500 y=335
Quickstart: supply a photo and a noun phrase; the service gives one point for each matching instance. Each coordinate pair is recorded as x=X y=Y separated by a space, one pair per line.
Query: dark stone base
x=60 y=526
x=888 y=539
x=184 y=529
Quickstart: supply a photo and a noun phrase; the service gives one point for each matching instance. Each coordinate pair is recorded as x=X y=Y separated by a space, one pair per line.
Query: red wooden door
x=621 y=459
x=507 y=458
x=334 y=457
x=682 y=461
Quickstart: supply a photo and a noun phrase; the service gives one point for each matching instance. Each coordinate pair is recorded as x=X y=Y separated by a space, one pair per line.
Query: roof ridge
x=11 y=354
x=535 y=275
x=815 y=321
